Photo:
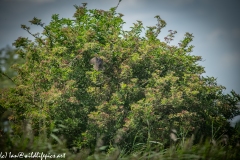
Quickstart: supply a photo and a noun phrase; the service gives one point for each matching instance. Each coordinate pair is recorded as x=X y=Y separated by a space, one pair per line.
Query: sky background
x=215 y=25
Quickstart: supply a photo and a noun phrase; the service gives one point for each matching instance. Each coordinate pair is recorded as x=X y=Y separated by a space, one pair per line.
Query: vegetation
x=147 y=101
x=8 y=57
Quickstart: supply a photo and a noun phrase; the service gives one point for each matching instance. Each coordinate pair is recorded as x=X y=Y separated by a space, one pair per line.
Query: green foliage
x=147 y=88
x=187 y=150
x=8 y=57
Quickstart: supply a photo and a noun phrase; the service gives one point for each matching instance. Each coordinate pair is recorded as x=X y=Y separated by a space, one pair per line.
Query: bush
x=144 y=89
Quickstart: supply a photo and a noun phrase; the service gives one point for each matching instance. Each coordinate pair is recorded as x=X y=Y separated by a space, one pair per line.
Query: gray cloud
x=31 y=1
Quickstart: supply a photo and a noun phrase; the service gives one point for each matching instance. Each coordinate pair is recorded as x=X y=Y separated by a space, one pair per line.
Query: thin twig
x=7 y=77
x=118 y=4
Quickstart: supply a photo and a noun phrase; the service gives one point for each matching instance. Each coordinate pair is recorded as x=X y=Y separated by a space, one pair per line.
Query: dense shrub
x=145 y=89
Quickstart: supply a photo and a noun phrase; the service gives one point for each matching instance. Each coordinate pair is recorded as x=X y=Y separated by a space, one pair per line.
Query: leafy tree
x=146 y=87
x=8 y=57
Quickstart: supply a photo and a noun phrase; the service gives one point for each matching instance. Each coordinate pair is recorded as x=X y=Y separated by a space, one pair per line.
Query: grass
x=150 y=151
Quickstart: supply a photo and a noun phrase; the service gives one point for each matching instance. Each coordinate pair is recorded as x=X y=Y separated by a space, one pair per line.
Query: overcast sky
x=215 y=25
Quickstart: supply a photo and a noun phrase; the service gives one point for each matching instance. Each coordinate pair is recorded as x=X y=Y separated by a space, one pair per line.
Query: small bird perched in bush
x=97 y=63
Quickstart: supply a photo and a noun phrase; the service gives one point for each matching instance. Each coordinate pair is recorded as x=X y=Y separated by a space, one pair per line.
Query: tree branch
x=6 y=76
